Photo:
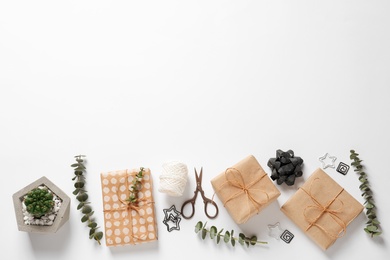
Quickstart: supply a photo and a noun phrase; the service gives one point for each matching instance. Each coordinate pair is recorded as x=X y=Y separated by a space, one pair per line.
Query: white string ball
x=173 y=179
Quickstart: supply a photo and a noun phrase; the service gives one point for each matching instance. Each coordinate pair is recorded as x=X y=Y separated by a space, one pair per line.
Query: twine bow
x=325 y=209
x=235 y=179
x=127 y=207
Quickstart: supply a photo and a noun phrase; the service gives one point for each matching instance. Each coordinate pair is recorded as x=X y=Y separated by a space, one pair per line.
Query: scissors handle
x=192 y=202
x=206 y=203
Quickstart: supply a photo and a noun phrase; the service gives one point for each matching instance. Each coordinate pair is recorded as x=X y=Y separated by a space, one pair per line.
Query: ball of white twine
x=173 y=179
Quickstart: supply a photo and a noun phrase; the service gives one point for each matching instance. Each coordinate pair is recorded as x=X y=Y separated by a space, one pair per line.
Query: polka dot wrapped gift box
x=125 y=222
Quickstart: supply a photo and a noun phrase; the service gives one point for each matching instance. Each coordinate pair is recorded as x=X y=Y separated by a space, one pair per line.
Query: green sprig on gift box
x=372 y=225
x=136 y=186
x=82 y=197
x=227 y=237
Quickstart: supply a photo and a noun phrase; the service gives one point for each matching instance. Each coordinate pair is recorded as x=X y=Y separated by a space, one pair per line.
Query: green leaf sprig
x=372 y=225
x=136 y=186
x=227 y=236
x=82 y=197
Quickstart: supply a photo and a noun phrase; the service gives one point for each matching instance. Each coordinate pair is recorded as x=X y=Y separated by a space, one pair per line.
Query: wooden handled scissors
x=206 y=201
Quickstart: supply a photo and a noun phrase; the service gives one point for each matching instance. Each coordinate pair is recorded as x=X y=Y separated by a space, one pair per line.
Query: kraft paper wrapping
x=245 y=189
x=322 y=209
x=128 y=223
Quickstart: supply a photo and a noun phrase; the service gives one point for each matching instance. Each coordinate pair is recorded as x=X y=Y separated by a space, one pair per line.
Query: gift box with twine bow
x=322 y=209
x=126 y=222
x=245 y=189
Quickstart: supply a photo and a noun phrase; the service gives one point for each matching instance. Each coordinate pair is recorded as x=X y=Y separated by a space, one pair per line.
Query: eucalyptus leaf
x=98 y=235
x=219 y=236
x=232 y=240
x=198 y=226
x=372 y=228
x=81 y=204
x=226 y=237
x=204 y=233
x=78 y=172
x=92 y=225
x=82 y=197
x=79 y=184
x=241 y=238
x=213 y=232
x=253 y=240
x=91 y=232
x=84 y=218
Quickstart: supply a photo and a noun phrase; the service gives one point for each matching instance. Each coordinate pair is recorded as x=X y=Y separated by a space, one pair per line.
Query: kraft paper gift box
x=322 y=209
x=245 y=189
x=124 y=222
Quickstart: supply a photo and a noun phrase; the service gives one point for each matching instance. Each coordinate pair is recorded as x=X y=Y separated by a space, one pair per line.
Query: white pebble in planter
x=50 y=222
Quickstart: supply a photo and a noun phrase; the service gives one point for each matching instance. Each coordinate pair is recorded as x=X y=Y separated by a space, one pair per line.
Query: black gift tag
x=287 y=236
x=343 y=168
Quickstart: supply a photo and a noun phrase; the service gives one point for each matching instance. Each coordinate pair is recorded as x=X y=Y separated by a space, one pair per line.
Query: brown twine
x=325 y=209
x=237 y=180
x=128 y=207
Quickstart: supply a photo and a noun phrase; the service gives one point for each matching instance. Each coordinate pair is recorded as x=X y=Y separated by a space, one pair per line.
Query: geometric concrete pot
x=62 y=215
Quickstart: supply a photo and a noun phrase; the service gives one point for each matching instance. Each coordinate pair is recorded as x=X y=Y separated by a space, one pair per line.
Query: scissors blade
x=199 y=177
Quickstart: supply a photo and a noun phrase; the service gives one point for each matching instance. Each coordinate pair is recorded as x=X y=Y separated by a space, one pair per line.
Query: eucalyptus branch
x=136 y=186
x=373 y=225
x=227 y=236
x=82 y=197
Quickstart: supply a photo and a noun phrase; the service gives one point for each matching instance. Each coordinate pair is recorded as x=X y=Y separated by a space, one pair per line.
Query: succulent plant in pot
x=41 y=207
x=39 y=202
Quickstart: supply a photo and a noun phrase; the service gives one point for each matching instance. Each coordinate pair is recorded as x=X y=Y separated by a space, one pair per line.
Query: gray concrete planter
x=62 y=215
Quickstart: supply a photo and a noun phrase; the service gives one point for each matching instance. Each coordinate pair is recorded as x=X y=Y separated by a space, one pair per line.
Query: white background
x=140 y=83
